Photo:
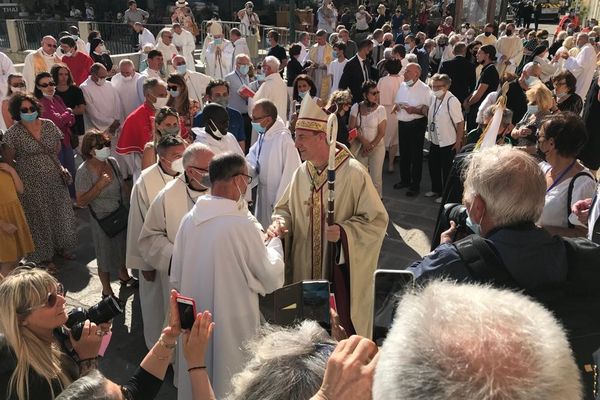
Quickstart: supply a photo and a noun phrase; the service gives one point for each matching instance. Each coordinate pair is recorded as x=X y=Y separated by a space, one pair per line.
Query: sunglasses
x=51 y=45
x=52 y=298
x=172 y=88
x=26 y=110
x=45 y=85
x=22 y=84
x=100 y=146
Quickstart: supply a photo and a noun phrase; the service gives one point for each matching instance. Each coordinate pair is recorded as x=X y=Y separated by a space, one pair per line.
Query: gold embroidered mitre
x=311 y=117
x=216 y=29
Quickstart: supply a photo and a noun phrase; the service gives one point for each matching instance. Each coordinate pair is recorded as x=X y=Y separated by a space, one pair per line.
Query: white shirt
x=102 y=104
x=416 y=95
x=240 y=47
x=336 y=69
x=489 y=100
x=6 y=68
x=303 y=52
x=555 y=211
x=368 y=124
x=146 y=37
x=274 y=89
x=228 y=143
x=127 y=92
x=594 y=214
x=196 y=83
x=583 y=67
x=168 y=51
x=29 y=68
x=187 y=43
x=445 y=114
x=485 y=40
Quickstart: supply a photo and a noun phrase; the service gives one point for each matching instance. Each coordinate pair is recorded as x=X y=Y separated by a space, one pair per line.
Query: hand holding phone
x=186 y=306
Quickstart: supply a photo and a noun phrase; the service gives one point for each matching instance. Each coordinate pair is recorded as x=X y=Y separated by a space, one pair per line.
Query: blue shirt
x=236 y=123
x=236 y=81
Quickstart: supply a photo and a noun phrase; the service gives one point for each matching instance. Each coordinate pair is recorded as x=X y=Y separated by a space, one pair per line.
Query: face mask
x=69 y=54
x=476 y=228
x=410 y=82
x=100 y=49
x=470 y=37
x=170 y=130
x=302 y=94
x=215 y=131
x=174 y=93
x=387 y=43
x=463 y=30
x=127 y=78
x=532 y=109
x=408 y=47
x=101 y=81
x=218 y=41
x=260 y=77
x=241 y=203
x=177 y=165
x=102 y=154
x=258 y=128
x=160 y=102
x=204 y=180
x=559 y=95
x=181 y=69
x=406 y=32
x=17 y=89
x=51 y=94
x=531 y=80
x=439 y=93
x=244 y=69
x=335 y=54
x=223 y=100
x=488 y=34
x=29 y=117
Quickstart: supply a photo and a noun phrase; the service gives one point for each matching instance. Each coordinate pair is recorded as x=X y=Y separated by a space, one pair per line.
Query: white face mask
x=160 y=102
x=17 y=89
x=127 y=78
x=215 y=131
x=102 y=154
x=241 y=202
x=101 y=81
x=410 y=82
x=177 y=165
x=439 y=93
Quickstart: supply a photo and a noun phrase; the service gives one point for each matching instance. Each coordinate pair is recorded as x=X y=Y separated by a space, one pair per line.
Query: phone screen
x=316 y=302
x=389 y=287
x=187 y=314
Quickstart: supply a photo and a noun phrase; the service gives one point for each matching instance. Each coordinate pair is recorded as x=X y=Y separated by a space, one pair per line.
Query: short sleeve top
x=368 y=123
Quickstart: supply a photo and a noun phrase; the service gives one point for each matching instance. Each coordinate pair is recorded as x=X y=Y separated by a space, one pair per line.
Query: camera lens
x=105 y=310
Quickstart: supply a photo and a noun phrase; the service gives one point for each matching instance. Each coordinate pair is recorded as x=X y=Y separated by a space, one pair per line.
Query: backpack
x=576 y=304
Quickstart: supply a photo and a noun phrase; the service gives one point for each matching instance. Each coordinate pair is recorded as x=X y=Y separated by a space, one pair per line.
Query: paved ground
x=411 y=225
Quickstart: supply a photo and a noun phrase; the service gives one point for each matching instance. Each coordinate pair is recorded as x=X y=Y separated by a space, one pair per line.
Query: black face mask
x=387 y=43
x=488 y=33
x=508 y=32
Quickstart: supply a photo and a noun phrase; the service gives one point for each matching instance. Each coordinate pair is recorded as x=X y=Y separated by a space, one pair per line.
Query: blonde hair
x=542 y=96
x=569 y=42
x=19 y=292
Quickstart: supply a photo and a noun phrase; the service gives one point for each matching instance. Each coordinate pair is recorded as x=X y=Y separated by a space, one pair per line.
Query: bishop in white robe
x=219 y=53
x=152 y=180
x=273 y=159
x=185 y=43
x=583 y=66
x=220 y=260
x=509 y=52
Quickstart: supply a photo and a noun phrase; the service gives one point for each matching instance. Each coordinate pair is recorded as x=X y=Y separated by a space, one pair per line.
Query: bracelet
x=166 y=345
x=194 y=368
x=159 y=357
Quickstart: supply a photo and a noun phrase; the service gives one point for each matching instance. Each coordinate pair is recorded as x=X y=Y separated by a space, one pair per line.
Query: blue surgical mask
x=335 y=54
x=531 y=80
x=476 y=228
x=302 y=94
x=218 y=41
x=29 y=117
x=532 y=108
x=244 y=69
x=174 y=93
x=258 y=128
x=260 y=77
x=181 y=69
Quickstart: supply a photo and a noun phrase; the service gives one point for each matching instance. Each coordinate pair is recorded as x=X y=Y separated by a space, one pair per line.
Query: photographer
x=38 y=357
x=504 y=197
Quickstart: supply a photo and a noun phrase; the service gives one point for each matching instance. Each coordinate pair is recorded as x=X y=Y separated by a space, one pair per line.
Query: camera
x=99 y=313
x=458 y=213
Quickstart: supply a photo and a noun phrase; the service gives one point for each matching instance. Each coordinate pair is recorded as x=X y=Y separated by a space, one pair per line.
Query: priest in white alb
x=40 y=60
x=152 y=180
x=215 y=133
x=165 y=45
x=125 y=83
x=509 y=50
x=273 y=159
x=583 y=66
x=196 y=82
x=185 y=43
x=221 y=260
x=166 y=212
x=360 y=222
x=219 y=53
x=273 y=88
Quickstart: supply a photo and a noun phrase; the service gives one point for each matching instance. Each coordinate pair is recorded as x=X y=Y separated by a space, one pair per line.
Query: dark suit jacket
x=423 y=60
x=353 y=78
x=351 y=49
x=463 y=76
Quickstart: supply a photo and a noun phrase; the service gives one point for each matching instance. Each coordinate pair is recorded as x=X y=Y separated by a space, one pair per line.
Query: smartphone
x=297 y=107
x=315 y=302
x=389 y=287
x=187 y=311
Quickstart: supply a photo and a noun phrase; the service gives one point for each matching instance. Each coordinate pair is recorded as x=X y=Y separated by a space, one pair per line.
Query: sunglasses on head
x=28 y=109
x=45 y=85
x=100 y=146
x=52 y=298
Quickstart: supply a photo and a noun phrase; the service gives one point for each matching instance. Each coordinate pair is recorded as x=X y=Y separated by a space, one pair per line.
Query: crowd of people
x=267 y=169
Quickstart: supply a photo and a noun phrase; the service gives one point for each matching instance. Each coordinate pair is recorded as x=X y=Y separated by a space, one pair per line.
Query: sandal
x=130 y=283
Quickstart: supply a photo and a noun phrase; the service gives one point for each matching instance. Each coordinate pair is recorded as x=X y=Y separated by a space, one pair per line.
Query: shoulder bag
x=116 y=221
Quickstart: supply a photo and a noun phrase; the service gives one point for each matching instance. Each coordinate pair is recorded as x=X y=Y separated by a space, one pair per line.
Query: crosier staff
x=332 y=128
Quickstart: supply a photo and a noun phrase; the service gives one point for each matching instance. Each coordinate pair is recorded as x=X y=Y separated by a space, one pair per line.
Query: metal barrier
x=32 y=32
x=4 y=42
x=120 y=38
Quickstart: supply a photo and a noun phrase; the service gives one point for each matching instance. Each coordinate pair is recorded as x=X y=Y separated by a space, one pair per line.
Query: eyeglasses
x=248 y=177
x=205 y=171
x=172 y=88
x=26 y=110
x=45 y=85
x=51 y=299
x=21 y=84
x=256 y=119
x=100 y=146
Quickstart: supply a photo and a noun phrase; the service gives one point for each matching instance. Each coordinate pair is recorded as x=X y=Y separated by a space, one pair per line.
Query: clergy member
x=155 y=69
x=196 y=81
x=185 y=43
x=152 y=180
x=40 y=60
x=215 y=131
x=138 y=126
x=165 y=45
x=220 y=259
x=125 y=83
x=321 y=55
x=509 y=51
x=165 y=214
x=273 y=88
x=144 y=35
x=360 y=221
x=583 y=66
x=273 y=159
x=78 y=62
x=219 y=53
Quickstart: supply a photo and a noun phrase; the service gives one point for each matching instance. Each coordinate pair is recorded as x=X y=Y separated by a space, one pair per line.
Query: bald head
x=412 y=72
x=49 y=44
x=126 y=67
x=582 y=39
x=178 y=60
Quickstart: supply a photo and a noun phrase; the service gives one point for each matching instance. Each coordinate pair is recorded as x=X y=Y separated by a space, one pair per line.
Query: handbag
x=116 y=221
x=65 y=175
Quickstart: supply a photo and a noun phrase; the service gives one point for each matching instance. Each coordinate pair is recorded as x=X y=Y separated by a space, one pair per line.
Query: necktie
x=365 y=70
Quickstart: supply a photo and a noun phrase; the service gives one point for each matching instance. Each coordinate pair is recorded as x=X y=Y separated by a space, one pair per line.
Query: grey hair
x=225 y=166
x=126 y=61
x=242 y=55
x=414 y=64
x=192 y=150
x=464 y=341
x=411 y=58
x=151 y=83
x=509 y=181
x=286 y=364
x=507 y=115
x=272 y=62
x=268 y=108
x=95 y=68
x=443 y=78
x=90 y=387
